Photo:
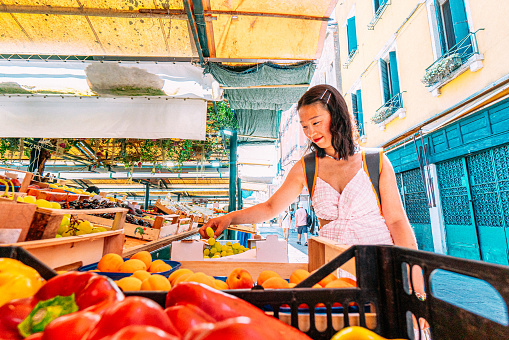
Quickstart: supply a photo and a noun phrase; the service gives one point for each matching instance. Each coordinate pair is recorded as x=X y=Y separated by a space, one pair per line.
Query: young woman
x=343 y=199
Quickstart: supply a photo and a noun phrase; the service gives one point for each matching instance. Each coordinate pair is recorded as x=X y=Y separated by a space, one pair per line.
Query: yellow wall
x=415 y=54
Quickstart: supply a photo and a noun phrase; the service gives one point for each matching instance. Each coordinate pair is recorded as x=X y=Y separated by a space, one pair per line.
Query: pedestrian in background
x=284 y=222
x=292 y=220
x=301 y=222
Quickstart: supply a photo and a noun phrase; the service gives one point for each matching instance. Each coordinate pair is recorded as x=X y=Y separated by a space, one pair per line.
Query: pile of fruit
x=214 y=249
x=72 y=226
x=41 y=203
x=133 y=217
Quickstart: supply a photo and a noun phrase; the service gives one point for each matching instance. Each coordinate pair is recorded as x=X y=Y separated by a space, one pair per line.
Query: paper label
x=9 y=235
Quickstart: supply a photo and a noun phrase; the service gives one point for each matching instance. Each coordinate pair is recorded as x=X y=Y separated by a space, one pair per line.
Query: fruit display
x=72 y=226
x=214 y=248
x=133 y=217
x=17 y=280
x=140 y=265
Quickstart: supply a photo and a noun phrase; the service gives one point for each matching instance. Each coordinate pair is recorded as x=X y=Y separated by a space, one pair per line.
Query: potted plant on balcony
x=382 y=114
x=441 y=69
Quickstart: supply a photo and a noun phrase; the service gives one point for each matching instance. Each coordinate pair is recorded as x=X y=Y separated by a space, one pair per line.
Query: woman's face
x=315 y=121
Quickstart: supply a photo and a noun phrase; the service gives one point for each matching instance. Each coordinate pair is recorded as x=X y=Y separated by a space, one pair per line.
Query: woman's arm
x=392 y=208
x=281 y=199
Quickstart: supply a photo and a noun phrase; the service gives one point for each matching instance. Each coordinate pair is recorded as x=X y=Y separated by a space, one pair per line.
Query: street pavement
x=468 y=293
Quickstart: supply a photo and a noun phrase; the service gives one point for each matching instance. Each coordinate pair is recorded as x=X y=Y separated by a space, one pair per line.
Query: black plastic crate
x=382 y=277
x=25 y=257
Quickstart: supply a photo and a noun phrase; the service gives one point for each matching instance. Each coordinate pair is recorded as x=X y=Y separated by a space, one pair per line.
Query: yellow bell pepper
x=17 y=280
x=357 y=333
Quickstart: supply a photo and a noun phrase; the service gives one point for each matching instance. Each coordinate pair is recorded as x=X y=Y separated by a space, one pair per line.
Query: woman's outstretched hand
x=218 y=225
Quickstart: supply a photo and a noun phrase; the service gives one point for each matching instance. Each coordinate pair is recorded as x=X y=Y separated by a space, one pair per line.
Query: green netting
x=264 y=99
x=261 y=74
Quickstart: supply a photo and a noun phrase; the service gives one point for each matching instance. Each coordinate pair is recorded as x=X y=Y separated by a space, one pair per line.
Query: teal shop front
x=471 y=156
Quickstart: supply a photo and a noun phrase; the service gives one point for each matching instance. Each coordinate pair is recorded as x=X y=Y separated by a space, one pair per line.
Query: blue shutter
x=460 y=24
x=441 y=33
x=360 y=116
x=352 y=35
x=459 y=19
x=376 y=4
x=394 y=73
x=354 y=105
x=385 y=81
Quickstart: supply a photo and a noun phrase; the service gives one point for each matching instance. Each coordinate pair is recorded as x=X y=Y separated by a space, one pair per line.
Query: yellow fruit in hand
x=210 y=232
x=212 y=241
x=129 y=283
x=156 y=282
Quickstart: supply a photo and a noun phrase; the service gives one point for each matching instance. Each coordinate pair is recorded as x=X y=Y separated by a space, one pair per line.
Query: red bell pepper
x=134 y=310
x=186 y=317
x=78 y=324
x=222 y=306
x=232 y=329
x=139 y=332
x=91 y=292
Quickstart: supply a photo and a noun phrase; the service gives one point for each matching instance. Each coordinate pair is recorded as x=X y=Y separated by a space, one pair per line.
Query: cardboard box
x=270 y=250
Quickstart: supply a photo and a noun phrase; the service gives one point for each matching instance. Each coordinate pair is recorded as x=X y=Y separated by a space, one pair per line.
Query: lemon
x=43 y=203
x=20 y=199
x=29 y=199
x=55 y=205
x=85 y=227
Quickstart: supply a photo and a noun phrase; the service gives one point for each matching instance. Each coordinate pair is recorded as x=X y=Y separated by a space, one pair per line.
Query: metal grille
x=501 y=161
x=453 y=192
x=416 y=204
x=399 y=181
x=484 y=189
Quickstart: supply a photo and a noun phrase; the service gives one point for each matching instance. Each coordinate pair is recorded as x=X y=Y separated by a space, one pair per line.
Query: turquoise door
x=414 y=200
x=488 y=174
x=457 y=210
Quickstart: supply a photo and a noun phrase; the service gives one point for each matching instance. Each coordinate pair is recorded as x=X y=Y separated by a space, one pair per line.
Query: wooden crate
x=165 y=209
x=72 y=252
x=322 y=250
x=184 y=224
x=46 y=221
x=15 y=220
x=27 y=177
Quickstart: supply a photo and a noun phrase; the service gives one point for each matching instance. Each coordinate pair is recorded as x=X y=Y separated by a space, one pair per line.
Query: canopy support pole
x=233 y=178
x=194 y=30
x=147 y=195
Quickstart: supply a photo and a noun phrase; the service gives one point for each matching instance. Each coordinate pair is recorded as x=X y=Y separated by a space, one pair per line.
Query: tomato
x=134 y=310
x=79 y=324
x=187 y=316
x=139 y=332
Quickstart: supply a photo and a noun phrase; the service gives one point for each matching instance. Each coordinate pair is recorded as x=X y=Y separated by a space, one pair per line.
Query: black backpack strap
x=310 y=166
x=372 y=160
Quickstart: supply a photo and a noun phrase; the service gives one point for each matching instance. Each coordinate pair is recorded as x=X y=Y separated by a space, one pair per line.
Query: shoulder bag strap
x=372 y=161
x=310 y=166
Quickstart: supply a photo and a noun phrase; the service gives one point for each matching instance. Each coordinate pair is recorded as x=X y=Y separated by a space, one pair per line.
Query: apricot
x=239 y=279
x=266 y=274
x=275 y=283
x=129 y=283
x=154 y=264
x=141 y=274
x=144 y=256
x=292 y=285
x=221 y=285
x=201 y=278
x=130 y=266
x=160 y=267
x=181 y=278
x=327 y=279
x=176 y=274
x=110 y=263
x=156 y=282
x=339 y=283
x=298 y=276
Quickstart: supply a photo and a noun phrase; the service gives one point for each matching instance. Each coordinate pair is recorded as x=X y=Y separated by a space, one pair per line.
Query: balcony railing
x=450 y=61
x=378 y=14
x=351 y=55
x=389 y=108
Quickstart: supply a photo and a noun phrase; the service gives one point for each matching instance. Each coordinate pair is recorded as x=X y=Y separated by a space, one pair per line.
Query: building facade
x=428 y=81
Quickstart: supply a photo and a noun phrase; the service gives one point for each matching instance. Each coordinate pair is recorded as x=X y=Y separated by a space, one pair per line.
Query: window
x=352 y=37
x=357 y=111
x=452 y=25
x=379 y=7
x=390 y=78
x=379 y=4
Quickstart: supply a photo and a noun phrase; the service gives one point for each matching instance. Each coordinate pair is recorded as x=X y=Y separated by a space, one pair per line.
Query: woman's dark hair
x=343 y=129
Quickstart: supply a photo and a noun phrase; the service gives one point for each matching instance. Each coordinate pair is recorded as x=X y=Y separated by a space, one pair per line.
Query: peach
x=266 y=274
x=130 y=266
x=141 y=274
x=156 y=282
x=339 y=283
x=201 y=278
x=160 y=267
x=144 y=256
x=176 y=274
x=239 y=279
x=129 y=283
x=298 y=276
x=221 y=285
x=275 y=283
x=327 y=279
x=110 y=263
x=181 y=278
x=154 y=264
